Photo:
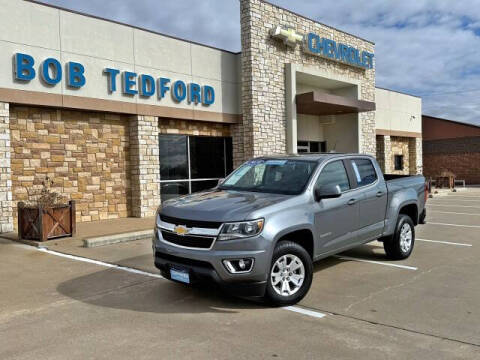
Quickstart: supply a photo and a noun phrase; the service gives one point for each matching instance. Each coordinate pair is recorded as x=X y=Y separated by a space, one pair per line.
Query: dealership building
x=122 y=117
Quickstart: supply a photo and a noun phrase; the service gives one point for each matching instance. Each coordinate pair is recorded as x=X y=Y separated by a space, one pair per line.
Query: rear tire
x=290 y=275
x=400 y=245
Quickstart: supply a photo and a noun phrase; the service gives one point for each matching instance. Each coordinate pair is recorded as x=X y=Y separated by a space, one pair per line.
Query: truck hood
x=220 y=205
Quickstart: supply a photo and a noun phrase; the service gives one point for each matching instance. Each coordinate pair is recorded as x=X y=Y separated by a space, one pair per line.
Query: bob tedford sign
x=324 y=47
x=51 y=73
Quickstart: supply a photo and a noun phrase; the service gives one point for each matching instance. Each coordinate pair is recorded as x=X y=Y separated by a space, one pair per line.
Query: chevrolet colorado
x=260 y=230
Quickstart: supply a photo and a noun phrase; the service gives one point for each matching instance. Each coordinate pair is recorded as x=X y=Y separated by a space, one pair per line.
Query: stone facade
x=85 y=154
x=191 y=127
x=145 y=165
x=263 y=128
x=6 y=215
x=409 y=147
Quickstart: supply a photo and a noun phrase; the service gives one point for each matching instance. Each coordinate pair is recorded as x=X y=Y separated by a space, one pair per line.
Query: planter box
x=43 y=224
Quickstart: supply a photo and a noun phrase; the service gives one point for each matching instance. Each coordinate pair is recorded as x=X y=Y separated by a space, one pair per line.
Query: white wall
x=42 y=32
x=342 y=134
x=397 y=111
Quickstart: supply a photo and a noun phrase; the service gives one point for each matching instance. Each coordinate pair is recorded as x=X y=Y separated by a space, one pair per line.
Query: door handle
x=380 y=194
x=352 y=202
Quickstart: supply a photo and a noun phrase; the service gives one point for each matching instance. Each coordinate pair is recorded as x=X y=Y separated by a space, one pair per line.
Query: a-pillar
x=6 y=215
x=144 y=165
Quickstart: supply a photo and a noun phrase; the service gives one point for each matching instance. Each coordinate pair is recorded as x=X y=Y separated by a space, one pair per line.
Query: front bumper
x=207 y=265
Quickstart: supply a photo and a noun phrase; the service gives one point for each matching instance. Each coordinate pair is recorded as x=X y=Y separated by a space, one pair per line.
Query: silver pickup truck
x=259 y=231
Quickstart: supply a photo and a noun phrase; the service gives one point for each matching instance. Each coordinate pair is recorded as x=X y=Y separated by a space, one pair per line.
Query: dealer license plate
x=179 y=275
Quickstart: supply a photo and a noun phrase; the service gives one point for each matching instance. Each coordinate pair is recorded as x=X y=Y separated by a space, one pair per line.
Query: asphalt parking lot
x=360 y=306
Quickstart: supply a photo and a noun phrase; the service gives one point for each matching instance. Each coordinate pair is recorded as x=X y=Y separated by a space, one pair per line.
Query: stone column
x=144 y=165
x=384 y=153
x=6 y=215
x=415 y=155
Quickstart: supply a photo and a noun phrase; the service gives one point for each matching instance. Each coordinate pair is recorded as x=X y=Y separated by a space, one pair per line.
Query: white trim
x=444 y=242
x=451 y=205
x=375 y=262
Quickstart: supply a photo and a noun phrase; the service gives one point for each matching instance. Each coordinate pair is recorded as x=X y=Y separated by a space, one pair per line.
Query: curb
x=117 y=238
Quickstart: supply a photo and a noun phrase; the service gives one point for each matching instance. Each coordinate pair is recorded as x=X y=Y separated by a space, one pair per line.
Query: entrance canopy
x=321 y=103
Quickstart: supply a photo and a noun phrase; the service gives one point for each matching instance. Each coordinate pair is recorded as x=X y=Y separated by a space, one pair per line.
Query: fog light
x=238 y=266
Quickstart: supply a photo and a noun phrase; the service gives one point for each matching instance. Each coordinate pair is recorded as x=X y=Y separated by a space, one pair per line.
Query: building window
x=398 y=162
x=192 y=163
x=311 y=146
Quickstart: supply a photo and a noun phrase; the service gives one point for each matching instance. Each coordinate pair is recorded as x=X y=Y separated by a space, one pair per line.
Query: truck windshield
x=271 y=176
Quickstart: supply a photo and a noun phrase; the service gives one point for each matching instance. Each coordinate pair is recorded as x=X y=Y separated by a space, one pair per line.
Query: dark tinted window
x=398 y=162
x=207 y=157
x=364 y=171
x=172 y=190
x=334 y=173
x=173 y=157
x=203 y=185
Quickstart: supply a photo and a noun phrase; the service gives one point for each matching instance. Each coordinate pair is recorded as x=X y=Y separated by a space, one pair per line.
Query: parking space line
x=303 y=311
x=451 y=199
x=375 y=262
x=452 y=212
x=459 y=225
x=444 y=242
x=451 y=205
x=100 y=263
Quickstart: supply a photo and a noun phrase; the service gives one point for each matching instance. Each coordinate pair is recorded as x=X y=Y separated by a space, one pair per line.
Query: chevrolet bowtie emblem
x=181 y=230
x=288 y=36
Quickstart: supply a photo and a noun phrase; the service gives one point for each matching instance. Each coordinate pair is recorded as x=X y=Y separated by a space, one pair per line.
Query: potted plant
x=47 y=215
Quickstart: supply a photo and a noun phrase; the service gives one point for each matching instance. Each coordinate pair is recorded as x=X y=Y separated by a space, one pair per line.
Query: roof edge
x=129 y=25
x=397 y=91
x=453 y=121
x=315 y=21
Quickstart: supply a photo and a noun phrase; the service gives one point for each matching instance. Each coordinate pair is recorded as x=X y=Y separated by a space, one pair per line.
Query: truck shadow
x=118 y=289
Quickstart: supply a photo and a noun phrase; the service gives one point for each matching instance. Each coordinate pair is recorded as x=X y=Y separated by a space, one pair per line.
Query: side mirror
x=220 y=181
x=327 y=192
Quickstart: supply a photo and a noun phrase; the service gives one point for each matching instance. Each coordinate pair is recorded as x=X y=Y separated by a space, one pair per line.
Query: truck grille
x=190 y=223
x=190 y=241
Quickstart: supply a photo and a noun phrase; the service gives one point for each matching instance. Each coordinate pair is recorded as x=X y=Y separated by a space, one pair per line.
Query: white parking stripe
x=451 y=212
x=296 y=309
x=446 y=224
x=451 y=199
x=303 y=311
x=444 y=242
x=375 y=262
x=451 y=205
x=101 y=263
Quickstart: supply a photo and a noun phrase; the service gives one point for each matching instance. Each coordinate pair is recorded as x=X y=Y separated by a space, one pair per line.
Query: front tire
x=290 y=275
x=400 y=245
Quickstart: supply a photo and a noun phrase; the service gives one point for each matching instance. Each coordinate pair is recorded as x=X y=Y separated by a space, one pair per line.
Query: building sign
x=131 y=83
x=320 y=46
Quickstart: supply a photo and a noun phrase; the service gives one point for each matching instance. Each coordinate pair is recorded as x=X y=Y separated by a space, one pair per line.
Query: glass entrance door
x=192 y=163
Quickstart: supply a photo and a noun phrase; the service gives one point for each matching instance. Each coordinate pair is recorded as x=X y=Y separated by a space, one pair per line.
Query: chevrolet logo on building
x=288 y=35
x=181 y=230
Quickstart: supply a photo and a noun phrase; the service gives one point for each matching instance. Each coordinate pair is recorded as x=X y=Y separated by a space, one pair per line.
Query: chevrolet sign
x=319 y=46
x=181 y=230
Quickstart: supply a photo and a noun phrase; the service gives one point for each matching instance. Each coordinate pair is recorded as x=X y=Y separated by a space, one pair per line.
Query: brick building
x=122 y=118
x=451 y=146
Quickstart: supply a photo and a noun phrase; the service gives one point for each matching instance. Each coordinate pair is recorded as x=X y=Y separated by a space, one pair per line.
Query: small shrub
x=45 y=197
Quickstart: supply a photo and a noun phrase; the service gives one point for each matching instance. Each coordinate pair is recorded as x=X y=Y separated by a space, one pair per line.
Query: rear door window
x=364 y=171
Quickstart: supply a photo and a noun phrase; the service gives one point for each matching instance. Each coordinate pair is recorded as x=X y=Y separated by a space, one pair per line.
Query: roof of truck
x=311 y=157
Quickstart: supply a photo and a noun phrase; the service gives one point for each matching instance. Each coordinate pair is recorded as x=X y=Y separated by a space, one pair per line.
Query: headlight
x=240 y=230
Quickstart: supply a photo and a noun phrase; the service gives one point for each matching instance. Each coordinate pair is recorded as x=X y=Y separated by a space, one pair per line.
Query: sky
x=427 y=48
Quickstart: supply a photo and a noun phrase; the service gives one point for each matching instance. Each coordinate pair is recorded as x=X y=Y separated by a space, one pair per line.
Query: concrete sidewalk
x=102 y=232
